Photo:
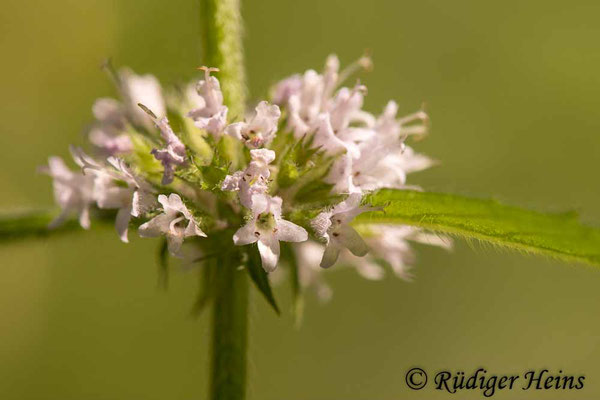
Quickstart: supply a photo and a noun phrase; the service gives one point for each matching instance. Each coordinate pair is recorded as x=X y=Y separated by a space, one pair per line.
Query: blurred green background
x=512 y=88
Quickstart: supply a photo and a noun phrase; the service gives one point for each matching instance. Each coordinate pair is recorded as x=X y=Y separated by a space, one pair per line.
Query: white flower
x=117 y=187
x=254 y=179
x=387 y=243
x=211 y=114
x=173 y=154
x=108 y=132
x=267 y=229
x=383 y=159
x=73 y=192
x=260 y=129
x=306 y=104
x=307 y=96
x=311 y=276
x=176 y=223
x=308 y=256
x=345 y=109
x=285 y=89
x=326 y=139
x=390 y=243
x=144 y=89
x=333 y=226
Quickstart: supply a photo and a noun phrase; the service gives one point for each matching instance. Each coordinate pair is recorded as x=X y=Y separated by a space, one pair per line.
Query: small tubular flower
x=254 y=179
x=145 y=89
x=211 y=115
x=117 y=187
x=176 y=223
x=391 y=244
x=310 y=275
x=267 y=229
x=333 y=226
x=73 y=192
x=258 y=130
x=173 y=154
x=107 y=134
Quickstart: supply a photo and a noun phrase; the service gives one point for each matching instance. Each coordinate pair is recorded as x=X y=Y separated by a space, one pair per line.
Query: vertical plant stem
x=222 y=40
x=230 y=326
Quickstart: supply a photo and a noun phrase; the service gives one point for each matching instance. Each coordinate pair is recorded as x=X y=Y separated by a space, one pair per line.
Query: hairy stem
x=230 y=326
x=34 y=223
x=222 y=39
x=222 y=42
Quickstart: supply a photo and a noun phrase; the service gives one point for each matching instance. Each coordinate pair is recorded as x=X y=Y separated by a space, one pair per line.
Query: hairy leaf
x=557 y=235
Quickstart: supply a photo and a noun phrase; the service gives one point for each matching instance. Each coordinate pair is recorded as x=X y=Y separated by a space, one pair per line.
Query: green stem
x=34 y=223
x=222 y=42
x=230 y=327
x=222 y=39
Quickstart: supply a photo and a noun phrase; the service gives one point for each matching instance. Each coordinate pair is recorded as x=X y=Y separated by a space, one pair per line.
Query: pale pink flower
x=267 y=229
x=211 y=114
x=73 y=192
x=258 y=130
x=176 y=223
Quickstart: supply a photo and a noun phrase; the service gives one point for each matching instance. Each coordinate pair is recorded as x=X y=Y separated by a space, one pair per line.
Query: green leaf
x=558 y=235
x=288 y=255
x=260 y=278
x=206 y=289
x=163 y=265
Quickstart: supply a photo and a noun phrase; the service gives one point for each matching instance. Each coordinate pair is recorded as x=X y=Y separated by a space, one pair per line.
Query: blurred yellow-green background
x=512 y=88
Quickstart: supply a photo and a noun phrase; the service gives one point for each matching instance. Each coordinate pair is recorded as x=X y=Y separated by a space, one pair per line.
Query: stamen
x=207 y=71
x=364 y=63
x=174 y=223
x=418 y=116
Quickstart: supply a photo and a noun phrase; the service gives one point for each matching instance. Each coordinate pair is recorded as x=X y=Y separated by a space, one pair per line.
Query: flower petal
x=155 y=227
x=192 y=229
x=174 y=243
x=245 y=235
x=289 y=232
x=84 y=217
x=352 y=240
x=269 y=252
x=122 y=223
x=330 y=256
x=235 y=130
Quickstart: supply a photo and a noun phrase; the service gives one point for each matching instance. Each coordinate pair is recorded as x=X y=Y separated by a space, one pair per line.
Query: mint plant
x=302 y=181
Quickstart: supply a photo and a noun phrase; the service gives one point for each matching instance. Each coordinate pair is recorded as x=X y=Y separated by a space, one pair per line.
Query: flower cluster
x=296 y=169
